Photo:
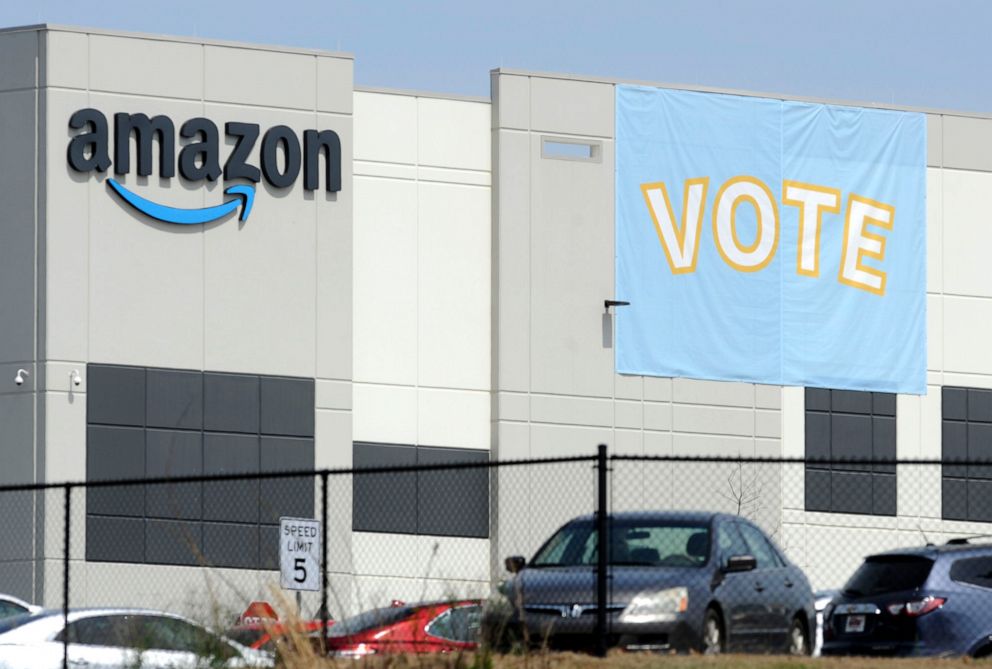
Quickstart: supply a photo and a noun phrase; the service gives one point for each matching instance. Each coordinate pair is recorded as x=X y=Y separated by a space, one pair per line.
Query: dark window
x=370 y=620
x=8 y=609
x=730 y=542
x=966 y=438
x=758 y=547
x=846 y=431
x=99 y=631
x=166 y=422
x=444 y=502
x=888 y=573
x=461 y=624
x=976 y=571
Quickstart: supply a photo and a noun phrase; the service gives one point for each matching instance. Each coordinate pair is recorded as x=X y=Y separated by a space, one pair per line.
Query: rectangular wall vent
x=561 y=148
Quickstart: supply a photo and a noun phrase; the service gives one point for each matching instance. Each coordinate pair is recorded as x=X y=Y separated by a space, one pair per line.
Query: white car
x=118 y=638
x=12 y=606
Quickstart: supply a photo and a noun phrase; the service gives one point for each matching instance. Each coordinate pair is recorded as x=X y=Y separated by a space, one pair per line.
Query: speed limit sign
x=299 y=554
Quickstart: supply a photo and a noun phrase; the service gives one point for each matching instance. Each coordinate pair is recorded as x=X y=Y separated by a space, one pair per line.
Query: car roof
x=686 y=516
x=935 y=551
x=90 y=612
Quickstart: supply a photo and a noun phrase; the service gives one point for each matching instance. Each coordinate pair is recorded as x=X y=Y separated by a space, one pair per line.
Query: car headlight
x=656 y=606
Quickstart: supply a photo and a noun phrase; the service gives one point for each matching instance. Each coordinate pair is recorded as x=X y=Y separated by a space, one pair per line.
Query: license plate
x=855 y=624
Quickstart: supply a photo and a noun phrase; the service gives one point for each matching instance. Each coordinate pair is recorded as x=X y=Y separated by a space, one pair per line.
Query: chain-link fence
x=706 y=554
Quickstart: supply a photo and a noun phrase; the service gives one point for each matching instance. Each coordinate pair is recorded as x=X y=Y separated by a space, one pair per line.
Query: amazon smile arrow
x=244 y=196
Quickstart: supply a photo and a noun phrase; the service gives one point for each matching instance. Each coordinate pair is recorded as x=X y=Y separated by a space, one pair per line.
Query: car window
x=368 y=620
x=98 y=631
x=975 y=571
x=758 y=546
x=8 y=609
x=648 y=542
x=13 y=622
x=460 y=624
x=173 y=634
x=729 y=541
x=888 y=573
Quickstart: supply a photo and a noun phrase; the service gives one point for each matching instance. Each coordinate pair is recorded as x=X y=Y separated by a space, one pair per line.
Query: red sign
x=258 y=612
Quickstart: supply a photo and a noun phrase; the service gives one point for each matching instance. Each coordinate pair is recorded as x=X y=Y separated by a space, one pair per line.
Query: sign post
x=299 y=554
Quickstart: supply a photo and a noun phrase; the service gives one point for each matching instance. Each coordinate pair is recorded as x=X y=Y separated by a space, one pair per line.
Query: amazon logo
x=200 y=159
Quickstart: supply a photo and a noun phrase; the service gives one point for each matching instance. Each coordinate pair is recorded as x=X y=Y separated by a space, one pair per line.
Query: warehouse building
x=393 y=277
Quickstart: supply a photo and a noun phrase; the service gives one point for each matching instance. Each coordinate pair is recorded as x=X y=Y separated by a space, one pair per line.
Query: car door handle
x=788 y=583
x=758 y=586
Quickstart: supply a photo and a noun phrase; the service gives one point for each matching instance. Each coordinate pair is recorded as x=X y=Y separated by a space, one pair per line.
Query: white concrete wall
x=421 y=313
x=271 y=295
x=21 y=292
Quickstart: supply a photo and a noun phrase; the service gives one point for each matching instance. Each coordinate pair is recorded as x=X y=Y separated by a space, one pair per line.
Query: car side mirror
x=515 y=563
x=737 y=563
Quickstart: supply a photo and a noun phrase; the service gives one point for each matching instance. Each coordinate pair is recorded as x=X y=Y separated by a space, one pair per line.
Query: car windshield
x=888 y=573
x=368 y=620
x=658 y=543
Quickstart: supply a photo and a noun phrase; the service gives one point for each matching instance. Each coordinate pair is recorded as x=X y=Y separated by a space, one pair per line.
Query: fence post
x=323 y=561
x=65 y=574
x=602 y=552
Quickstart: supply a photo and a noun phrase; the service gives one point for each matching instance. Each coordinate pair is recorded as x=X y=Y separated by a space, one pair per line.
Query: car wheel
x=798 y=638
x=713 y=637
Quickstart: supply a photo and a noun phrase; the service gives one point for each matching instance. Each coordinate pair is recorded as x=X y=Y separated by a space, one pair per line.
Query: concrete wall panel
x=455 y=418
x=935 y=230
x=967 y=143
x=385 y=128
x=386 y=414
x=145 y=67
x=335 y=262
x=453 y=259
x=19 y=55
x=385 y=281
x=259 y=77
x=564 y=410
x=512 y=95
x=67 y=239
x=571 y=268
x=17 y=235
x=512 y=246
x=965 y=228
x=67 y=59
x=334 y=89
x=573 y=107
x=158 y=283
x=453 y=134
x=967 y=332
x=260 y=276
x=935 y=140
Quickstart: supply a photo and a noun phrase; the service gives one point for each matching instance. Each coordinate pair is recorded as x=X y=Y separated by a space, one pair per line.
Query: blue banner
x=770 y=241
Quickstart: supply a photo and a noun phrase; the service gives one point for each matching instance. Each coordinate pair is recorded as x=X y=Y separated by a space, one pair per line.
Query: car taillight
x=917 y=607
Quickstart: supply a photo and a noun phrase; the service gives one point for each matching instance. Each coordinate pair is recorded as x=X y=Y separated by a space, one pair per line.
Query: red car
x=431 y=627
x=265 y=635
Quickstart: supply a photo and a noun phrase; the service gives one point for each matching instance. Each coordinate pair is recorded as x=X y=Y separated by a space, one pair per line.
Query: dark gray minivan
x=681 y=581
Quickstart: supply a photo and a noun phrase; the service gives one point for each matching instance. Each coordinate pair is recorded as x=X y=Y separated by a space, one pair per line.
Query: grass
x=636 y=661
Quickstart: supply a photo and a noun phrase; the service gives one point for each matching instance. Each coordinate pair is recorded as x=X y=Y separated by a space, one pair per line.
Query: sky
x=921 y=53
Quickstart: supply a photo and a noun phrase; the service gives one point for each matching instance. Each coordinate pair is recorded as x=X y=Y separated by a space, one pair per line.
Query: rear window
x=976 y=571
x=364 y=622
x=13 y=622
x=888 y=573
